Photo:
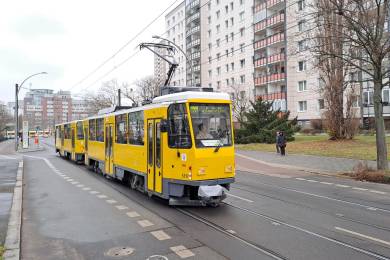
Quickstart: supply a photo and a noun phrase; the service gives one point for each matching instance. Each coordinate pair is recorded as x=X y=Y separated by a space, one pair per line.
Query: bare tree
x=5 y=118
x=359 y=26
x=240 y=104
x=106 y=96
x=148 y=88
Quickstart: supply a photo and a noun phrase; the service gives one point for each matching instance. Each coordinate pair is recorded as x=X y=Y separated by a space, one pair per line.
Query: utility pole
x=16 y=117
x=119 y=97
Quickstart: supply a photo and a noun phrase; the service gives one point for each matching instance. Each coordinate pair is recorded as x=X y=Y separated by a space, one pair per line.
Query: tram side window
x=80 y=132
x=179 y=132
x=100 y=129
x=136 y=128
x=121 y=129
x=67 y=132
x=92 y=130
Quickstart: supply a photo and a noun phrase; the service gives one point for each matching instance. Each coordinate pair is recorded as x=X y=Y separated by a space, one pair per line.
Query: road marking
x=70 y=180
x=145 y=223
x=342 y=186
x=75 y=182
x=86 y=188
x=132 y=214
x=182 y=251
x=301 y=179
x=326 y=183
x=275 y=223
x=339 y=215
x=372 y=208
x=357 y=188
x=94 y=192
x=160 y=235
x=80 y=185
x=364 y=236
x=121 y=207
x=312 y=181
x=238 y=197
x=66 y=177
x=102 y=196
x=231 y=231
x=7 y=157
x=111 y=201
x=377 y=191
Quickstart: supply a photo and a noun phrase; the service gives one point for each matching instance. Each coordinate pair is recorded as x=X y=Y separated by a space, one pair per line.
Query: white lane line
x=372 y=208
x=160 y=235
x=121 y=207
x=94 y=192
x=86 y=188
x=182 y=251
x=66 y=177
x=301 y=179
x=231 y=231
x=326 y=183
x=377 y=191
x=357 y=188
x=80 y=185
x=7 y=157
x=323 y=197
x=132 y=214
x=111 y=201
x=70 y=180
x=312 y=181
x=238 y=197
x=145 y=223
x=363 y=236
x=342 y=186
x=74 y=182
x=102 y=196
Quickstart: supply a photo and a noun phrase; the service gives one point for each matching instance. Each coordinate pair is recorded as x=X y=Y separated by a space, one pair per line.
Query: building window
x=210 y=45
x=226 y=24
x=227 y=67
x=218 y=56
x=226 y=9
x=218 y=84
x=232 y=36
x=385 y=95
x=232 y=80
x=218 y=71
x=301 y=5
x=242 y=31
x=232 y=65
x=231 y=6
x=231 y=21
x=368 y=97
x=242 y=63
x=242 y=16
x=242 y=47
x=209 y=32
x=301 y=25
x=242 y=79
x=226 y=38
x=302 y=45
x=209 y=6
x=226 y=53
x=209 y=20
x=321 y=104
x=217 y=14
x=210 y=73
x=232 y=50
x=218 y=42
x=301 y=65
x=241 y=2
x=210 y=59
x=227 y=82
x=302 y=86
x=302 y=106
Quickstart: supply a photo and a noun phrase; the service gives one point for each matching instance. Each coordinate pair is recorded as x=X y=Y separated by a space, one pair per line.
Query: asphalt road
x=72 y=213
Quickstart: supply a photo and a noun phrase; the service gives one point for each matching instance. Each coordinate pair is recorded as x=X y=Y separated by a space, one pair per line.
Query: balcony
x=269 y=79
x=278 y=37
x=269 y=22
x=195 y=55
x=193 y=43
x=273 y=96
x=260 y=62
x=271 y=3
x=276 y=58
x=193 y=17
x=193 y=4
x=193 y=30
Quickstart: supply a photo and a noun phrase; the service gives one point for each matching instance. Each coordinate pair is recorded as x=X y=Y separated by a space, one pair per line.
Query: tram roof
x=182 y=96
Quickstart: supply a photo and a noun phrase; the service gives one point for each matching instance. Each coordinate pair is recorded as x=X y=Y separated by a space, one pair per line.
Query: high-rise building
x=193 y=41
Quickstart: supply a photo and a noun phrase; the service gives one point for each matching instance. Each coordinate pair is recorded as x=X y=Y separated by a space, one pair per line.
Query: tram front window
x=211 y=124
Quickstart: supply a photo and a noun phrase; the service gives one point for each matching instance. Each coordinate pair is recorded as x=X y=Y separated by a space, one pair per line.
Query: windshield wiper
x=218 y=146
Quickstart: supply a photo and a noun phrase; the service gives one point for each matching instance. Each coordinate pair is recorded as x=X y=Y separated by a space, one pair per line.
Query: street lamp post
x=17 y=89
x=180 y=49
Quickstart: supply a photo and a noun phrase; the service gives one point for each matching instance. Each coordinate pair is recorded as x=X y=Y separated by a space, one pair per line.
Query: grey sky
x=69 y=39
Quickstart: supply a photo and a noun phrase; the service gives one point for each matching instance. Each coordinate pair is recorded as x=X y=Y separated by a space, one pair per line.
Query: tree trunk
x=381 y=147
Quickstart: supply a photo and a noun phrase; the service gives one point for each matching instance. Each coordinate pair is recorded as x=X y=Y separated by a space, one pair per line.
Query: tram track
x=312 y=208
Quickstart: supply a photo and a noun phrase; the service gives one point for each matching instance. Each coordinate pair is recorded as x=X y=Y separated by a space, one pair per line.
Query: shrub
x=317 y=124
x=363 y=172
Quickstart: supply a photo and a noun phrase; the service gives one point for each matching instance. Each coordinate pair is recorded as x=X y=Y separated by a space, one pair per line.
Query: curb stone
x=12 y=240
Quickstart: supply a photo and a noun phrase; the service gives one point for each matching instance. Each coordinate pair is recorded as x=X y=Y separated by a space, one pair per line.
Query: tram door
x=86 y=145
x=108 y=164
x=62 y=140
x=73 y=140
x=154 y=156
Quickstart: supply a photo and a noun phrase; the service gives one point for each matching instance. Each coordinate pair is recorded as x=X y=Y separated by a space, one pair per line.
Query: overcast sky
x=68 y=39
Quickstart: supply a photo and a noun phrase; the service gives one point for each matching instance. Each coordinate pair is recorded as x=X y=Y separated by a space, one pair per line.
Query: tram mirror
x=164 y=125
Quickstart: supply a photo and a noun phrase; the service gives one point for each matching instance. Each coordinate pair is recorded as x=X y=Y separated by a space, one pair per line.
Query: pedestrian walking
x=277 y=146
x=282 y=143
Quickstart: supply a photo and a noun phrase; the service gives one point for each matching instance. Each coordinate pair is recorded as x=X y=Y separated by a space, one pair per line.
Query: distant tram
x=180 y=147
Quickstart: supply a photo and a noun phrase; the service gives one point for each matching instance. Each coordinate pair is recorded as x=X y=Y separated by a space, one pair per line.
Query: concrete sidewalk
x=308 y=162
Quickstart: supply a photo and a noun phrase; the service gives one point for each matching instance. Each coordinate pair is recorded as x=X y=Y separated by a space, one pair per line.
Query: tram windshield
x=211 y=124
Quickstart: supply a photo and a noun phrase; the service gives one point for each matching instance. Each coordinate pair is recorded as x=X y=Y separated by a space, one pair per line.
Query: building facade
x=43 y=108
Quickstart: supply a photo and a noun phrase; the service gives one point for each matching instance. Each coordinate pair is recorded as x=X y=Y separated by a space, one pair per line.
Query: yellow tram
x=180 y=147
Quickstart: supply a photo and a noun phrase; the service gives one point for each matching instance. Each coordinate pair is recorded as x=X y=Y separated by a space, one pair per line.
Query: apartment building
x=193 y=15
x=43 y=108
x=160 y=66
x=227 y=52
